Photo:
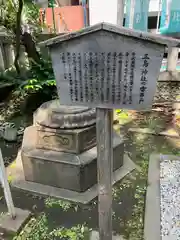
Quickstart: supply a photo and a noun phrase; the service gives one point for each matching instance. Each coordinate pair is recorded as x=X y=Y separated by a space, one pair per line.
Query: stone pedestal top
x=53 y=115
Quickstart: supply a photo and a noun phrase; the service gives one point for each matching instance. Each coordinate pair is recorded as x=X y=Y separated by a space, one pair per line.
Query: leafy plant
x=39 y=229
x=75 y=233
x=42 y=70
x=30 y=15
x=123 y=116
x=8 y=11
x=35 y=85
x=40 y=75
x=51 y=202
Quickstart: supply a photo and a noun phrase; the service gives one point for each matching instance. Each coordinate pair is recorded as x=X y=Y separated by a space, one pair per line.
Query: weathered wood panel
x=104 y=69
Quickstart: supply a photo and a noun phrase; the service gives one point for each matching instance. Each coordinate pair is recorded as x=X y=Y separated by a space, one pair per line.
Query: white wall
x=103 y=11
x=154 y=7
x=106 y=11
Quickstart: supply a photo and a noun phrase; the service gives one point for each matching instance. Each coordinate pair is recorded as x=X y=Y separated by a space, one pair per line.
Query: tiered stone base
x=76 y=172
x=60 y=151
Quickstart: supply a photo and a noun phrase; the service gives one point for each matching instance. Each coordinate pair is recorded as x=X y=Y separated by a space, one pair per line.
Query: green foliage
x=152 y=123
x=39 y=229
x=30 y=14
x=123 y=116
x=64 y=205
x=40 y=76
x=6 y=77
x=33 y=85
x=75 y=233
x=51 y=3
x=8 y=11
x=118 y=111
x=51 y=202
x=43 y=70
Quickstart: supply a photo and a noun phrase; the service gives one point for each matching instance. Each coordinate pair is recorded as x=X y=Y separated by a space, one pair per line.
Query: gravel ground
x=170 y=199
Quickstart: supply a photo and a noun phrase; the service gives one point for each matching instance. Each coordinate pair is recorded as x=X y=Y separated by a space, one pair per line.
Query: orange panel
x=68 y=18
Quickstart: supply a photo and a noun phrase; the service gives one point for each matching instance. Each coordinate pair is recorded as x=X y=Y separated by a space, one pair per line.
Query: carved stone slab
x=74 y=140
x=107 y=66
x=54 y=115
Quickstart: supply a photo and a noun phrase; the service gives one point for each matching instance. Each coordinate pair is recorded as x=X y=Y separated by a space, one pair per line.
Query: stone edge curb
x=152 y=221
x=149 y=131
x=152 y=205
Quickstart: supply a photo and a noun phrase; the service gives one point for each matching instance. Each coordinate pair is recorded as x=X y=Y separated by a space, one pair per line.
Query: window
x=74 y=2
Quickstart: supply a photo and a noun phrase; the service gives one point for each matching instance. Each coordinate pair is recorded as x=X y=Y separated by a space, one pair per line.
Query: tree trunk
x=18 y=36
x=30 y=47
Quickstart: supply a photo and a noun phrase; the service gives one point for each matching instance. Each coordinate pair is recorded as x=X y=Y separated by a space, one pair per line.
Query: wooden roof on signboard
x=168 y=41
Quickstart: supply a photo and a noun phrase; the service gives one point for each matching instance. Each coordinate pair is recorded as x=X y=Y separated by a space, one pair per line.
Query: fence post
x=2 y=67
x=10 y=56
x=172 y=59
x=7 y=191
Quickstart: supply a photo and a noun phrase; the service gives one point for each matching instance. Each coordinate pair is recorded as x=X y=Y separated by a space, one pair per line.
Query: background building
x=71 y=13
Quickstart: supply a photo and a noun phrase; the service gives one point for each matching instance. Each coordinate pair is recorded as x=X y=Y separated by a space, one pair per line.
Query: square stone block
x=73 y=140
x=19 y=182
x=13 y=226
x=77 y=172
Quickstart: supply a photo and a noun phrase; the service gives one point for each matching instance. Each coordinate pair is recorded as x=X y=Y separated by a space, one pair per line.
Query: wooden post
x=104 y=131
x=54 y=23
x=59 y=23
x=172 y=59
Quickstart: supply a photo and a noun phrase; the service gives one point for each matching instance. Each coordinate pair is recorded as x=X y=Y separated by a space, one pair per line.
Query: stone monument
x=59 y=150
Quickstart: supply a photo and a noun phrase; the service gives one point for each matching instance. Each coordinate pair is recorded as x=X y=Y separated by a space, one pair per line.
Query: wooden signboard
x=105 y=66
